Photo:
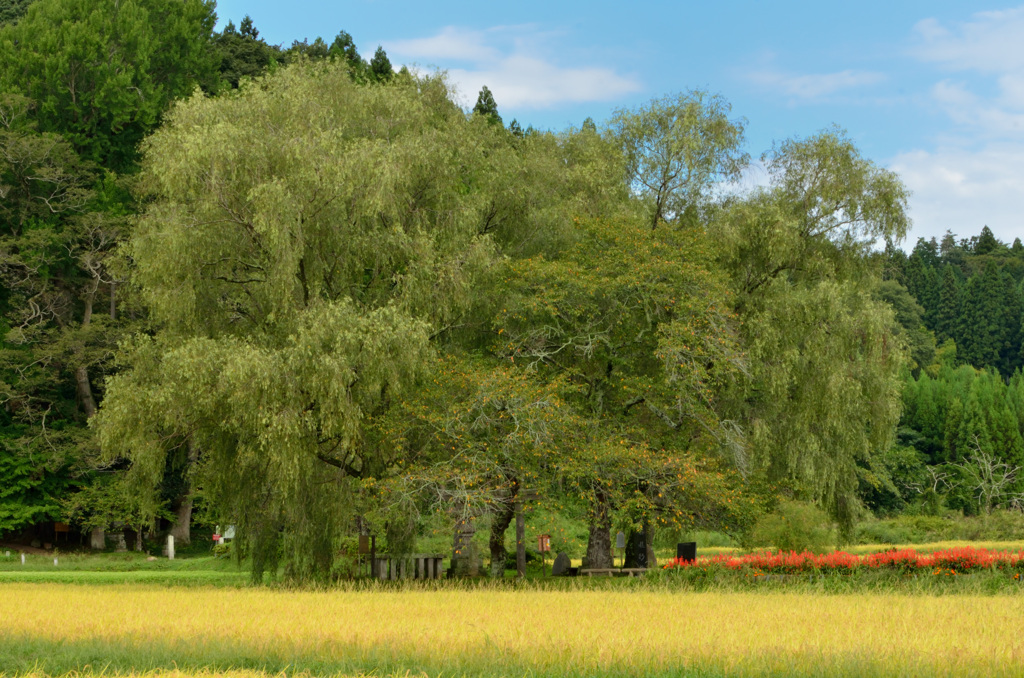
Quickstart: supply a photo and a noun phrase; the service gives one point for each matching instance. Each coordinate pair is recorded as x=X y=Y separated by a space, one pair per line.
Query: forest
x=298 y=291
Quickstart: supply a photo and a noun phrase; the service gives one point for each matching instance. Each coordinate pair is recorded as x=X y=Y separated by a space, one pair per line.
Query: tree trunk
x=499 y=524
x=599 y=543
x=652 y=560
x=97 y=539
x=181 y=530
x=85 y=391
x=81 y=372
x=520 y=540
x=138 y=539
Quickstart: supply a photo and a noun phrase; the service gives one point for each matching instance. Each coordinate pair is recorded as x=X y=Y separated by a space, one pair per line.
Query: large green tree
x=298 y=279
x=58 y=228
x=677 y=148
x=103 y=71
x=822 y=388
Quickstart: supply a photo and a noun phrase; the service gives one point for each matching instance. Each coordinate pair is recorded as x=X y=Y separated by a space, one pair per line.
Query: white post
x=170 y=547
x=22 y=558
x=55 y=562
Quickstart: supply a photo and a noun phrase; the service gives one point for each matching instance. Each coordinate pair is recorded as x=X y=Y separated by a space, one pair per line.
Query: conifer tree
x=947 y=314
x=980 y=320
x=987 y=243
x=1010 y=330
x=486 y=106
x=380 y=66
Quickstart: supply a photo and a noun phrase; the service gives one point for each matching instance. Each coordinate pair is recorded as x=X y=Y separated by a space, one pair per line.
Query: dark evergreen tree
x=242 y=53
x=953 y=253
x=12 y=10
x=947 y=314
x=486 y=106
x=380 y=66
x=927 y=251
x=987 y=243
x=1010 y=330
x=247 y=29
x=981 y=329
x=344 y=47
x=920 y=281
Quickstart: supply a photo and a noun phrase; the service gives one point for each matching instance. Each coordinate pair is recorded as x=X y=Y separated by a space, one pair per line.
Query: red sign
x=544 y=543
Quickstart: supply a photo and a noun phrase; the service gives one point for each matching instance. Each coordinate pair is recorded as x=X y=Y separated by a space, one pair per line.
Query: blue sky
x=933 y=90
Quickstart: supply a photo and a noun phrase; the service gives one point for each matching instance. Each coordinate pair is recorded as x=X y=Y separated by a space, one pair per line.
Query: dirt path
x=26 y=549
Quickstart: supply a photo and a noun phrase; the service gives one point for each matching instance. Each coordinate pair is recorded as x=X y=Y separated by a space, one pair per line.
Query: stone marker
x=636 y=549
x=465 y=562
x=561 y=565
x=170 y=547
x=55 y=562
x=22 y=558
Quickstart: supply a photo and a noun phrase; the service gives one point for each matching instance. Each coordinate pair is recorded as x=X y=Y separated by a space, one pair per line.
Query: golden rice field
x=50 y=629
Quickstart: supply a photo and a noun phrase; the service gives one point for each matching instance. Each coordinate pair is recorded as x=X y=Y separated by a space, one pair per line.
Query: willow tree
x=823 y=388
x=304 y=240
x=678 y=148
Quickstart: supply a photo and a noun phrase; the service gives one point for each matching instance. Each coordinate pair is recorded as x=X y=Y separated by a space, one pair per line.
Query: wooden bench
x=412 y=566
x=612 y=571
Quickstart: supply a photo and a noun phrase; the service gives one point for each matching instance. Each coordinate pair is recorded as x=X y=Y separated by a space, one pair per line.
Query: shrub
x=794 y=526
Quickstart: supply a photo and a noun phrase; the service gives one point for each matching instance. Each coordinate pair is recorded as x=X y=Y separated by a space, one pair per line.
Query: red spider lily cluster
x=958 y=560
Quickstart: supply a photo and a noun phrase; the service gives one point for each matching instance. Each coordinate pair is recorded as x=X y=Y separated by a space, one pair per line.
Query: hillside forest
x=295 y=290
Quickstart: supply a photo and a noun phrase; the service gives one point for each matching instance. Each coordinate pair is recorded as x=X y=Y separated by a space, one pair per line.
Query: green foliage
x=12 y=10
x=304 y=304
x=892 y=479
x=59 y=223
x=921 y=529
x=910 y=316
x=120 y=63
x=380 y=66
x=486 y=107
x=243 y=54
x=676 y=148
x=30 y=487
x=794 y=526
x=822 y=387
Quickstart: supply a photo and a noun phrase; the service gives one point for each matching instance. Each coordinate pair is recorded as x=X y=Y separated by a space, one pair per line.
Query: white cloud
x=451 y=43
x=814 y=85
x=975 y=174
x=997 y=117
x=990 y=42
x=511 y=61
x=964 y=189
